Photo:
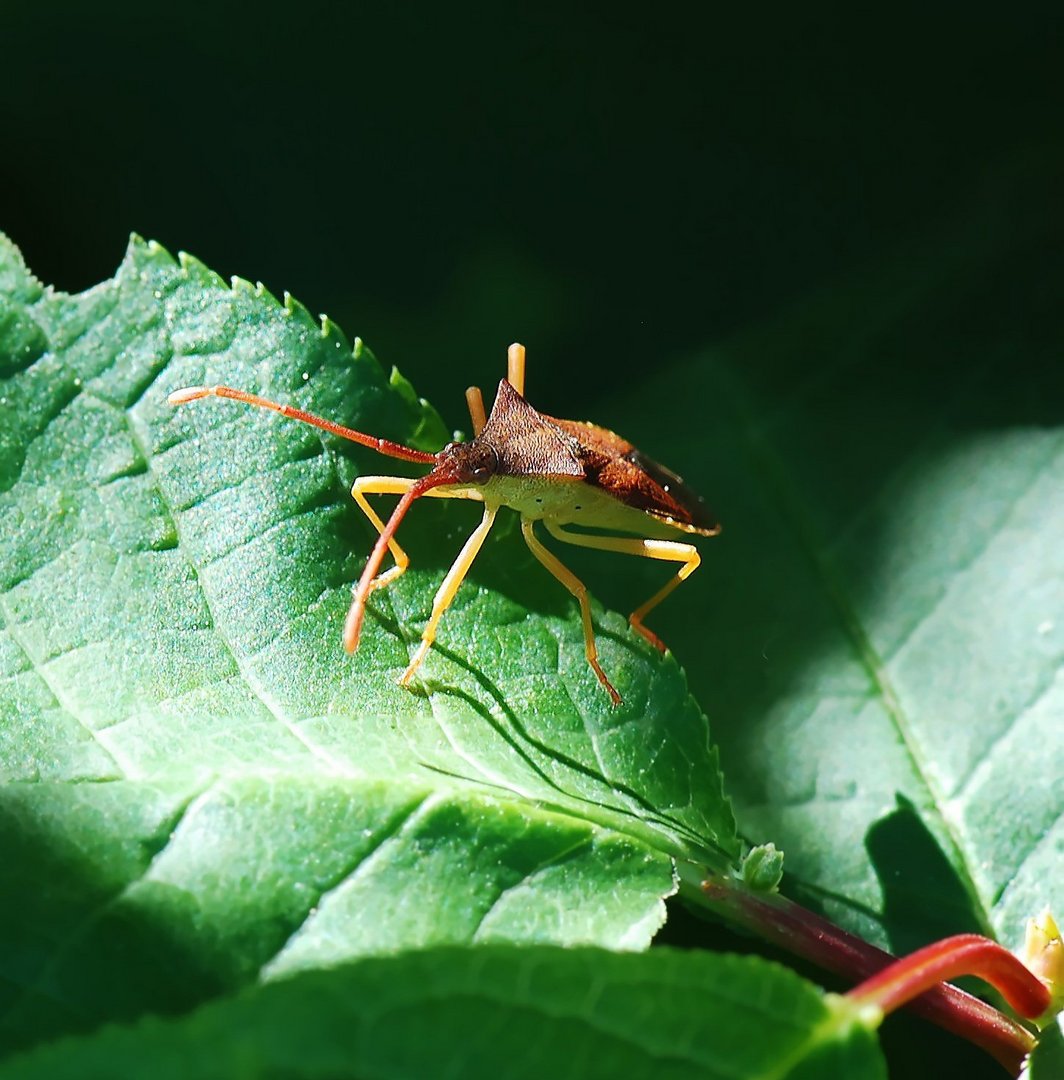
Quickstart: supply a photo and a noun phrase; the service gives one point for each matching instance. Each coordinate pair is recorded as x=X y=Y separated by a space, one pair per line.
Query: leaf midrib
x=769 y=461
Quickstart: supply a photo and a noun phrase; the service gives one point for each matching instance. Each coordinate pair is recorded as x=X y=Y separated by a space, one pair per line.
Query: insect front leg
x=382 y=485
x=390 y=485
x=666 y=550
x=385 y=485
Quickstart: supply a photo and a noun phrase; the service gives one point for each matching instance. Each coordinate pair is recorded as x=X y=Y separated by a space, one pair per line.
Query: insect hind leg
x=515 y=367
x=579 y=590
x=665 y=550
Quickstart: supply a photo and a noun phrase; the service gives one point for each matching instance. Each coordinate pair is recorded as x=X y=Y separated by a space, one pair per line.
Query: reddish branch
x=915 y=981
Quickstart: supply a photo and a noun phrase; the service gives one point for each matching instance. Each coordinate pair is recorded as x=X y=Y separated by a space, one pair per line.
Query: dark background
x=617 y=191
x=612 y=189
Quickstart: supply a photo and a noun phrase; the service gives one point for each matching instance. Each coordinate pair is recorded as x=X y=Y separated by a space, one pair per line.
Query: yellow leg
x=475 y=401
x=449 y=587
x=392 y=485
x=667 y=550
x=382 y=485
x=515 y=367
x=579 y=590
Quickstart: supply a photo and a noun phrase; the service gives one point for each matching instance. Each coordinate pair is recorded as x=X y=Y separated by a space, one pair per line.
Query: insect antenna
x=383 y=446
x=357 y=612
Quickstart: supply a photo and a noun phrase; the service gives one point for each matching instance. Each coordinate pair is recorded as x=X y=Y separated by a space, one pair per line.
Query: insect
x=558 y=472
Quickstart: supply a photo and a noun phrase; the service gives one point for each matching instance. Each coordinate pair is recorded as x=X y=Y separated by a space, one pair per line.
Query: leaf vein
x=769 y=461
x=981 y=551
x=387 y=839
x=554 y=859
x=241 y=668
x=58 y=696
x=1043 y=838
x=982 y=763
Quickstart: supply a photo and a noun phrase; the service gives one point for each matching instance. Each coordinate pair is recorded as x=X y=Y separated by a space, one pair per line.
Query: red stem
x=805 y=934
x=964 y=954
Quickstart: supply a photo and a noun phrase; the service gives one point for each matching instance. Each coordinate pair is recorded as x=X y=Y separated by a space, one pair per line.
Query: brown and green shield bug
x=558 y=472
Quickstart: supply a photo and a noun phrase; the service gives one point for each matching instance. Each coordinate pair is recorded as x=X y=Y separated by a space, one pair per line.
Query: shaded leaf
x=124 y=897
x=878 y=632
x=498 y=1012
x=1047 y=1058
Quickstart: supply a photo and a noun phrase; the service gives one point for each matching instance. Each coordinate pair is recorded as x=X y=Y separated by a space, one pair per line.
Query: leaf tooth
x=140 y=251
x=329 y=329
x=241 y=285
x=431 y=423
x=293 y=307
x=195 y=269
x=11 y=253
x=400 y=383
x=264 y=294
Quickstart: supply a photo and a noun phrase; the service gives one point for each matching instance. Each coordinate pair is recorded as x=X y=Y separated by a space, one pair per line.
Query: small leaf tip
x=762 y=869
x=1043 y=955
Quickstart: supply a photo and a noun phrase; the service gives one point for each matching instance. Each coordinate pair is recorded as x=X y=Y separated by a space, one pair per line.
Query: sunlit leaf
x=202 y=789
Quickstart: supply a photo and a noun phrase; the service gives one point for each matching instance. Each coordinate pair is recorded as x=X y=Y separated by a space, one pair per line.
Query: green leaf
x=177 y=578
x=879 y=631
x=762 y=868
x=1047 y=1058
x=202 y=789
x=124 y=897
x=496 y=1012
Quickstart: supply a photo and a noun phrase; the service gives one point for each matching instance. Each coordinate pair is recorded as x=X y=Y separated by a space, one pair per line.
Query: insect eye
x=484 y=469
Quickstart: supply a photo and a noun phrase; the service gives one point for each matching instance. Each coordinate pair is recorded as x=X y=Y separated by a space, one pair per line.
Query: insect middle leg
x=579 y=590
x=515 y=367
x=449 y=587
x=667 y=550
